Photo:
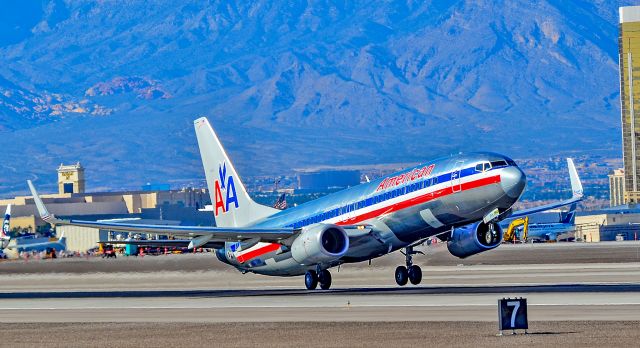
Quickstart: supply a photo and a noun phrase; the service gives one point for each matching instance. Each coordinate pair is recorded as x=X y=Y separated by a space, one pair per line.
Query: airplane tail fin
x=576 y=185
x=232 y=205
x=4 y=234
x=569 y=217
x=62 y=239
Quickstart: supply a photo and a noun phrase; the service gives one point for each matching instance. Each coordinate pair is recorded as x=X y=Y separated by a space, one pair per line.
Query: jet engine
x=320 y=243
x=474 y=238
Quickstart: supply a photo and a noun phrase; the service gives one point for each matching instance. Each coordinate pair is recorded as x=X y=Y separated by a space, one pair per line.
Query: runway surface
x=448 y=293
x=590 y=299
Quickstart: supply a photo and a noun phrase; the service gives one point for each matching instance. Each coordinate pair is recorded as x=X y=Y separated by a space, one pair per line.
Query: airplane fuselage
x=15 y=247
x=398 y=210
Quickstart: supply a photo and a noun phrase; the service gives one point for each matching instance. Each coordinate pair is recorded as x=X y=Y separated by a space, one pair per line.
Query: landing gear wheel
x=311 y=280
x=490 y=235
x=415 y=275
x=324 y=278
x=401 y=275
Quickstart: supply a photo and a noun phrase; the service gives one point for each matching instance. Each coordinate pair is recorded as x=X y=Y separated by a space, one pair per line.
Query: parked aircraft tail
x=4 y=234
x=569 y=217
x=232 y=205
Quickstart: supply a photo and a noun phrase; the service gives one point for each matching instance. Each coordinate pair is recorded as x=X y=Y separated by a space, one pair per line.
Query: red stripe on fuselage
x=257 y=252
x=386 y=210
x=421 y=199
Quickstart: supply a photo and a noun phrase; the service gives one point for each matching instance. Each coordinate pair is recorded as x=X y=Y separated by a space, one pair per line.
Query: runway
x=192 y=300
x=423 y=304
x=555 y=292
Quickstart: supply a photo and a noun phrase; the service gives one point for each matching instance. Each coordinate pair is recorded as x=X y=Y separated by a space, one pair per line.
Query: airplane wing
x=201 y=234
x=576 y=188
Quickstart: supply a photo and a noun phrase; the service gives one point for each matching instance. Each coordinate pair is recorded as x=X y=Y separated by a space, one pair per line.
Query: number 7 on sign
x=516 y=305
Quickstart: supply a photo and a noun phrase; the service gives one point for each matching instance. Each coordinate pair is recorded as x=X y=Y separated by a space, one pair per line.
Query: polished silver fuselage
x=400 y=210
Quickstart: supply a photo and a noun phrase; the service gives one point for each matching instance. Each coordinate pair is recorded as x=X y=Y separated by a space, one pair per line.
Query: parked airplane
x=460 y=199
x=4 y=234
x=11 y=248
x=553 y=231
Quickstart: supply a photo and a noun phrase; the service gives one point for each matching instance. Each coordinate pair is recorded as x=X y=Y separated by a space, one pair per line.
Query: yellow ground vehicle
x=510 y=235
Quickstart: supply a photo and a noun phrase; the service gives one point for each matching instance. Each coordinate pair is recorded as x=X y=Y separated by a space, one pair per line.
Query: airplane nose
x=513 y=181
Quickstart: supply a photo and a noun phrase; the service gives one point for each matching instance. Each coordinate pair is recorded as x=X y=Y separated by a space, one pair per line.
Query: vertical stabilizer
x=231 y=203
x=4 y=234
x=569 y=217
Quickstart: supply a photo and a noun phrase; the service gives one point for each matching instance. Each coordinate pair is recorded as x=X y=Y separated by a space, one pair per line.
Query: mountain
x=116 y=85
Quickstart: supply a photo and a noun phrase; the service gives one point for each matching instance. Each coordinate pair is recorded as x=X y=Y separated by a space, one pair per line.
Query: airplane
x=459 y=198
x=552 y=231
x=12 y=250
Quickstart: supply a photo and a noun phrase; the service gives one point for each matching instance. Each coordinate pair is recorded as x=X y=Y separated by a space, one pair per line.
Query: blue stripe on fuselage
x=365 y=195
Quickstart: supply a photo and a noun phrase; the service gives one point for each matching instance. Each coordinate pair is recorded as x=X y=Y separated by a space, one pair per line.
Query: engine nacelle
x=473 y=239
x=320 y=243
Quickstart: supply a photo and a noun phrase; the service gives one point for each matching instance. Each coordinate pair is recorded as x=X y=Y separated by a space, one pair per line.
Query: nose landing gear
x=411 y=272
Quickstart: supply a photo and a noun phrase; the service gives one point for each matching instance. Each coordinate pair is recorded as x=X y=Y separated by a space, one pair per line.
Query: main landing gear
x=313 y=278
x=411 y=272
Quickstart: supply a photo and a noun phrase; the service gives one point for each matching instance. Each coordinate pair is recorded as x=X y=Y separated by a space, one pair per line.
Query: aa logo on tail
x=225 y=191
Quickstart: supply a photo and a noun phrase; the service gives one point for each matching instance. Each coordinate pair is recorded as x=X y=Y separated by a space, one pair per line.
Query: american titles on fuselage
x=401 y=179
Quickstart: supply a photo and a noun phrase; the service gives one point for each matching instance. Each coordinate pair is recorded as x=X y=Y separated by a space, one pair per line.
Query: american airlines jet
x=460 y=199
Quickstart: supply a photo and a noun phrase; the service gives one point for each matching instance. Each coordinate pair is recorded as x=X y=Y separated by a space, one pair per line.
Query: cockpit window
x=511 y=162
x=499 y=163
x=483 y=167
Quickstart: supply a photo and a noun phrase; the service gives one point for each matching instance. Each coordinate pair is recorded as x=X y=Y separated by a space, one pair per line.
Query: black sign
x=512 y=314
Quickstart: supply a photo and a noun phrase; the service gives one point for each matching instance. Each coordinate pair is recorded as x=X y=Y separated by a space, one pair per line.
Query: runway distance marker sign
x=512 y=314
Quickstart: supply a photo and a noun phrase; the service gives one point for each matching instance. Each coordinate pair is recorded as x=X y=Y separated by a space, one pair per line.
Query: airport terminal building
x=155 y=206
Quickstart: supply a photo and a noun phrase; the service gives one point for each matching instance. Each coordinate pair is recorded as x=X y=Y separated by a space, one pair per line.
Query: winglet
x=42 y=210
x=576 y=185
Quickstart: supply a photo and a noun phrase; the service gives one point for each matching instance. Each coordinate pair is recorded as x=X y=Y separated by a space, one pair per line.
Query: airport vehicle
x=460 y=198
x=108 y=251
x=510 y=236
